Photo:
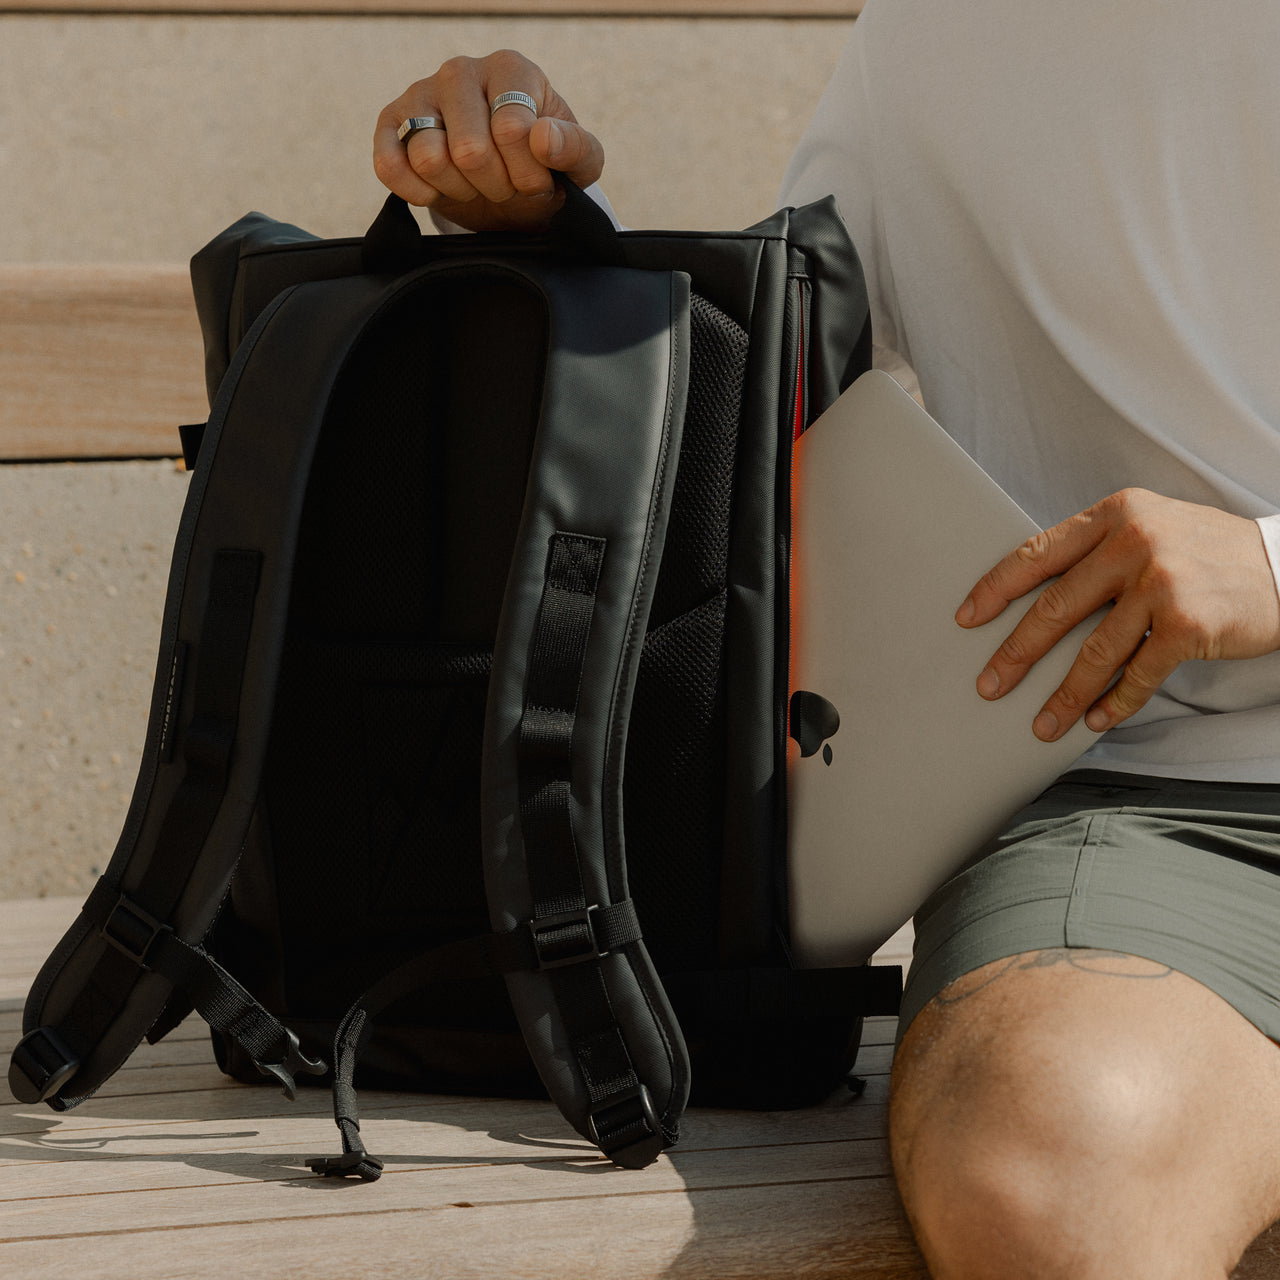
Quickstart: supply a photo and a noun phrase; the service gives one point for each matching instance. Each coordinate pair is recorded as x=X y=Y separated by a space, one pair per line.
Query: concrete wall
x=84 y=557
x=132 y=139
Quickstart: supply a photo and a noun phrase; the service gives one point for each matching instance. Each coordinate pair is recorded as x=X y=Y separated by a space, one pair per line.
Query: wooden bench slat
x=832 y=1230
x=209 y=1187
x=97 y=361
x=273 y=1123
x=180 y=1172
x=215 y=1185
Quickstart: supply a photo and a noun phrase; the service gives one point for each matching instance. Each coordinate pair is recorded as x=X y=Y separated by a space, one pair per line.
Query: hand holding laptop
x=899 y=773
x=1188 y=581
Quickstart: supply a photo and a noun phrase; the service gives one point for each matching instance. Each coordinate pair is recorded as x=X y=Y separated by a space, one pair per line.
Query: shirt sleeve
x=1270 y=526
x=838 y=155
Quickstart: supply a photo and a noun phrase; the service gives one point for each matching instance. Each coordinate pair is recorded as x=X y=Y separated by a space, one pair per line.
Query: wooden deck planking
x=243 y=1182
x=97 y=361
x=835 y=1230
x=174 y=1171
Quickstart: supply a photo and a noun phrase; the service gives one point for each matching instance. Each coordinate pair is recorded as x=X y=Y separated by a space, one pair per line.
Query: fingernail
x=989 y=683
x=964 y=614
x=1098 y=720
x=555 y=143
x=1045 y=726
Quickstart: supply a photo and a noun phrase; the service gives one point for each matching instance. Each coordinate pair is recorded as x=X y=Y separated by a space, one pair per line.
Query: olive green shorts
x=1183 y=873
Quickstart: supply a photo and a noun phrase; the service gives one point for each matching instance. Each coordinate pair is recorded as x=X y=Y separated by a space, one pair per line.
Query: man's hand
x=1187 y=582
x=485 y=172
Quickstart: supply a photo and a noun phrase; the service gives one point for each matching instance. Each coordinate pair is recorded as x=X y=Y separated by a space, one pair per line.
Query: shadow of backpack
x=467 y=752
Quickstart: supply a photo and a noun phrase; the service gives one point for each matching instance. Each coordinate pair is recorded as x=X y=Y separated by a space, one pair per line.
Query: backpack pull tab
x=350 y=1164
x=349 y=1040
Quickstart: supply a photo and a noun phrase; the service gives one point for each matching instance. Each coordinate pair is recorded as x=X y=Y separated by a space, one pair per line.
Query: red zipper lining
x=798 y=421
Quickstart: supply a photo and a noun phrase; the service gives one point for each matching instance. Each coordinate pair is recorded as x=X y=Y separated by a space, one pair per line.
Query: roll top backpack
x=466 y=760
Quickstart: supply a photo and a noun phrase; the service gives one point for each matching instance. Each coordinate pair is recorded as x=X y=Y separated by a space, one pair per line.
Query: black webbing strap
x=147 y=944
x=545 y=750
x=205 y=744
x=622 y=1119
x=478 y=957
x=219 y=999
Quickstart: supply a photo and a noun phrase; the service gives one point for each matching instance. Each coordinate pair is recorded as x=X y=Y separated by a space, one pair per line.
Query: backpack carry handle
x=579 y=230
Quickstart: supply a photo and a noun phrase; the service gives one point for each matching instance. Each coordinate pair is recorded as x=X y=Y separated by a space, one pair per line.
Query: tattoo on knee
x=1093 y=960
x=958 y=990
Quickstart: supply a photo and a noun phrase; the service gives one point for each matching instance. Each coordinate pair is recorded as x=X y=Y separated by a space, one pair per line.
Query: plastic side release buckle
x=192 y=436
x=293 y=1062
x=566 y=938
x=41 y=1064
x=625 y=1127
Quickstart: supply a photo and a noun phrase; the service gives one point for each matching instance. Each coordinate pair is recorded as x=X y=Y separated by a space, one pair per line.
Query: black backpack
x=471 y=705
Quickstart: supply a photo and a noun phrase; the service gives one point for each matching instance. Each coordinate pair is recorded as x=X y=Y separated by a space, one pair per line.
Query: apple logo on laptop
x=813 y=720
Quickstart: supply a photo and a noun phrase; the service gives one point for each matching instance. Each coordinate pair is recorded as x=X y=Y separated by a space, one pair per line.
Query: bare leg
x=1080 y=1113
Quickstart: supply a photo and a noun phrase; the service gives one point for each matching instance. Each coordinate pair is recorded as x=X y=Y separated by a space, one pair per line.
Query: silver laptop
x=898 y=772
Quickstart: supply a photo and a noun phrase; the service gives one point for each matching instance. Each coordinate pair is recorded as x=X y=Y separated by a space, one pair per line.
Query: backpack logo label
x=173 y=689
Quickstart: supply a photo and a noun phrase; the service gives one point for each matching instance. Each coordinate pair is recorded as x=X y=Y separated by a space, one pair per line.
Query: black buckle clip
x=132 y=930
x=294 y=1061
x=192 y=436
x=568 y=945
x=40 y=1065
x=626 y=1128
x=351 y=1164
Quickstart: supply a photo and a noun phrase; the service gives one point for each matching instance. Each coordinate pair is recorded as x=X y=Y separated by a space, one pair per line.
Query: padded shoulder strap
x=140 y=930
x=597 y=1022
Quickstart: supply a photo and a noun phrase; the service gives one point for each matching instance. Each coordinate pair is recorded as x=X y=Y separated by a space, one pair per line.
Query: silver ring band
x=415 y=124
x=513 y=96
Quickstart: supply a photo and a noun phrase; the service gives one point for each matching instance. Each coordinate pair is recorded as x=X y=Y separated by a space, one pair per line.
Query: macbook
x=898 y=772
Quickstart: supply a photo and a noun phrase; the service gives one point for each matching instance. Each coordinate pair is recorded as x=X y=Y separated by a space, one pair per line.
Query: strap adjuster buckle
x=568 y=937
x=40 y=1065
x=132 y=930
x=625 y=1127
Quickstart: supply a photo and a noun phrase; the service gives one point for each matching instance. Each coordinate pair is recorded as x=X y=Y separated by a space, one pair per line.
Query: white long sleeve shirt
x=1069 y=219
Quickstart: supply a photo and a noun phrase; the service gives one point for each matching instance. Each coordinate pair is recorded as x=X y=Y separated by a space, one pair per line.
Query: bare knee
x=997 y=1170
x=1044 y=1146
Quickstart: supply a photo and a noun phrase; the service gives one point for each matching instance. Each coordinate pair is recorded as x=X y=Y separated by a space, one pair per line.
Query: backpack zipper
x=800 y=292
x=795 y=375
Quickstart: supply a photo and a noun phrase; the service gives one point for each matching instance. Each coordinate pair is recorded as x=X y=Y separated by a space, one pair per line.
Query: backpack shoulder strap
x=565 y=935
x=139 y=932
x=596 y=1021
